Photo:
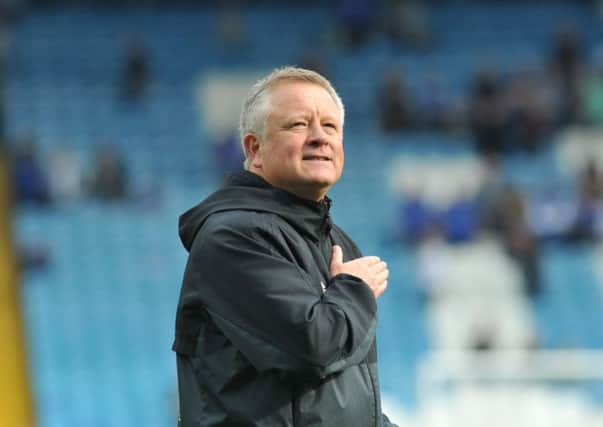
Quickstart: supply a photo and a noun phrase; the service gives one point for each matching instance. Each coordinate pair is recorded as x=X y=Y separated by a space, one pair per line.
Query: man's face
x=302 y=150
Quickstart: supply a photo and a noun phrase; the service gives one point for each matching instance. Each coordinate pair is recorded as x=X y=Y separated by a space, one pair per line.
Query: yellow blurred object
x=16 y=409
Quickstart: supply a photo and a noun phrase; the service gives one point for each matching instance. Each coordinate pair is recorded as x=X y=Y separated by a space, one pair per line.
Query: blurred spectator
x=567 y=68
x=591 y=182
x=508 y=220
x=531 y=106
x=65 y=175
x=416 y=218
x=34 y=257
x=355 y=18
x=29 y=176
x=109 y=179
x=504 y=213
x=435 y=106
x=486 y=113
x=523 y=248
x=406 y=23
x=393 y=101
x=491 y=194
x=135 y=77
x=461 y=220
x=456 y=223
x=590 y=199
x=592 y=90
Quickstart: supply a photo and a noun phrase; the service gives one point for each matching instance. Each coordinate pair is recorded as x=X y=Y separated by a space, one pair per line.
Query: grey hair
x=255 y=108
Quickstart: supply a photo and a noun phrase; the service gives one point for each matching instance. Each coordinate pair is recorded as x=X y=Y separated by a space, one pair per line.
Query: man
x=277 y=313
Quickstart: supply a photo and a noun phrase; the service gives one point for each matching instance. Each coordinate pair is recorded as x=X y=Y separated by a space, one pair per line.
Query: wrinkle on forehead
x=298 y=102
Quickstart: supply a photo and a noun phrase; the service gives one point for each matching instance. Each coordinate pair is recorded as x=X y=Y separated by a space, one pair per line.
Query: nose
x=317 y=135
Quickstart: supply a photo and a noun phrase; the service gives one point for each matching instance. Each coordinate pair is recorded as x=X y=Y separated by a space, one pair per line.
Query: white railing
x=460 y=388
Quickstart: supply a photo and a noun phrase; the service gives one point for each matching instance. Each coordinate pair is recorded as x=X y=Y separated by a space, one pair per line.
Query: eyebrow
x=305 y=113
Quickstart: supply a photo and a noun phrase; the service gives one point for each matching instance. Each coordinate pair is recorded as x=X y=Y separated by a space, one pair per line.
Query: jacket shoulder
x=243 y=222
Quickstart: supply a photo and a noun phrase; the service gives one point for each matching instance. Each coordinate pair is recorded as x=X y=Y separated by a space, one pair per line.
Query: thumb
x=336 y=259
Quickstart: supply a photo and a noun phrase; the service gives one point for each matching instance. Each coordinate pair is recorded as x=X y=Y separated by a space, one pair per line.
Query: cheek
x=290 y=152
x=282 y=154
x=340 y=154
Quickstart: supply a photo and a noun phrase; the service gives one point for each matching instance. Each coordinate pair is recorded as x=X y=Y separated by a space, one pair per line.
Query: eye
x=330 y=125
x=298 y=124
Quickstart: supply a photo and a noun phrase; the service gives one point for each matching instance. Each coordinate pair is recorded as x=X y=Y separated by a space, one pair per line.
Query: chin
x=326 y=178
x=323 y=182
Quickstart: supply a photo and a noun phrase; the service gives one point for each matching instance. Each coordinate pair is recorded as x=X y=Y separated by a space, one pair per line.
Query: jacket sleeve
x=266 y=305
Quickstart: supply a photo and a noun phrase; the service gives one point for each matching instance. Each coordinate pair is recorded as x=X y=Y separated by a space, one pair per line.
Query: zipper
x=376 y=415
x=294 y=407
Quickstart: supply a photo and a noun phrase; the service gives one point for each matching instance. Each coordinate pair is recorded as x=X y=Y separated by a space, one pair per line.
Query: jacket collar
x=248 y=191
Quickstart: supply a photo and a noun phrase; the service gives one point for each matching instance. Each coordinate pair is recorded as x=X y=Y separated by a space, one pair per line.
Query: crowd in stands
x=59 y=177
x=503 y=209
x=517 y=111
x=505 y=112
x=405 y=23
x=520 y=113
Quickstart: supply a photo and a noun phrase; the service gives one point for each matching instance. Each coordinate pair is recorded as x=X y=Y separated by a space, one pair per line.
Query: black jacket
x=264 y=337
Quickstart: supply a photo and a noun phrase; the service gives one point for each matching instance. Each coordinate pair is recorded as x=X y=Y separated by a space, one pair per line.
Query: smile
x=321 y=158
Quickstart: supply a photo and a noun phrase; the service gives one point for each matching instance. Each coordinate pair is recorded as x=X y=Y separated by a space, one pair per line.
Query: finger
x=337 y=254
x=380 y=266
x=382 y=287
x=378 y=290
x=379 y=271
x=371 y=260
x=336 y=258
x=381 y=277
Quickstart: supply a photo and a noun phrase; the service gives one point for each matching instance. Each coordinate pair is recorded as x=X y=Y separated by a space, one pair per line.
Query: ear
x=253 y=150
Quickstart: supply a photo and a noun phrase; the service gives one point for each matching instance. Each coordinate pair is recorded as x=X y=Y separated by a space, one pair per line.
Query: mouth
x=317 y=158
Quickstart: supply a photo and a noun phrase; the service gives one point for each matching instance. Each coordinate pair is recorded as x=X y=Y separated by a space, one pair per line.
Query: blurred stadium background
x=474 y=159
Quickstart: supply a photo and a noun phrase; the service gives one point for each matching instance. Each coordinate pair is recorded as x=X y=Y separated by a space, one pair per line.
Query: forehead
x=291 y=96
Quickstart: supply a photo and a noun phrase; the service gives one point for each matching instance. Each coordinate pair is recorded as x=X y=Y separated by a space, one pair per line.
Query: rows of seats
x=572 y=304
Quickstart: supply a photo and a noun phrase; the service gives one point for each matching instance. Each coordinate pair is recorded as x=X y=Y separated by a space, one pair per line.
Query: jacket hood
x=249 y=192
